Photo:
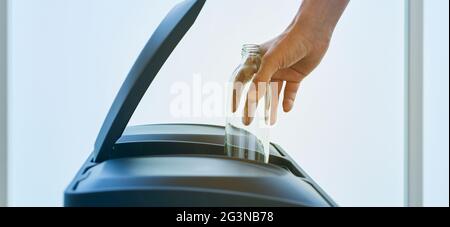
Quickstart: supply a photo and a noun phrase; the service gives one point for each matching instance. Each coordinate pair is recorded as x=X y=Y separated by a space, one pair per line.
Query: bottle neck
x=251 y=54
x=251 y=50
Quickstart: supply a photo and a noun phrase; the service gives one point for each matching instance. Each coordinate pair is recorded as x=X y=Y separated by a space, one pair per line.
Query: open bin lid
x=163 y=41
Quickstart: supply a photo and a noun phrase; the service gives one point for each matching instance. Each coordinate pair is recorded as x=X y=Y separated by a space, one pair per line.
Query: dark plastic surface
x=184 y=165
x=155 y=53
x=193 y=181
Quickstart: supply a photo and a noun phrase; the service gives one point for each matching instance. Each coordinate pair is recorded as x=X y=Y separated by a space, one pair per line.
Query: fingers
x=289 y=75
x=242 y=76
x=269 y=66
x=258 y=87
x=276 y=87
x=290 y=92
x=279 y=58
x=255 y=93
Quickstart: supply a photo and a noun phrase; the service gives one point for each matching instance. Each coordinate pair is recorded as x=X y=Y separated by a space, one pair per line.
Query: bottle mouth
x=251 y=49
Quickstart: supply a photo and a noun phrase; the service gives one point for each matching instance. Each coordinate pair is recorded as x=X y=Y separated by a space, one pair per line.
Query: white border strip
x=414 y=155
x=3 y=102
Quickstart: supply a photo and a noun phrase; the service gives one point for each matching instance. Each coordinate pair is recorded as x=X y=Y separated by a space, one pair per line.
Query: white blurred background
x=67 y=60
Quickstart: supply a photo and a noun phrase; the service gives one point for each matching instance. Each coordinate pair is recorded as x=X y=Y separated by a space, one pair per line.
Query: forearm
x=319 y=15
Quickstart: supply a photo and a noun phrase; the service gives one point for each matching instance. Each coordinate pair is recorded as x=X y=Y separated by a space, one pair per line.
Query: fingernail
x=273 y=121
x=246 y=120
x=288 y=107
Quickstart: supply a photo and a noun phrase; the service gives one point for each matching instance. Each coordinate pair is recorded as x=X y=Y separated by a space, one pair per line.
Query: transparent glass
x=248 y=126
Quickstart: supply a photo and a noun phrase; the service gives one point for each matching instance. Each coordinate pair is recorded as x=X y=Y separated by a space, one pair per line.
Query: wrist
x=318 y=17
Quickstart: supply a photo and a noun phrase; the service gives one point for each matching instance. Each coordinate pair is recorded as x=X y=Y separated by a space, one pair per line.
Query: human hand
x=293 y=55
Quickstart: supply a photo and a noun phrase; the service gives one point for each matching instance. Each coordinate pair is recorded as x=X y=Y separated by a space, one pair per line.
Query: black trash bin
x=179 y=164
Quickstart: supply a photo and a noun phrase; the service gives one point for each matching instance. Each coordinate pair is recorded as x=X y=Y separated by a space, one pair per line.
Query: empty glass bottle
x=247 y=128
